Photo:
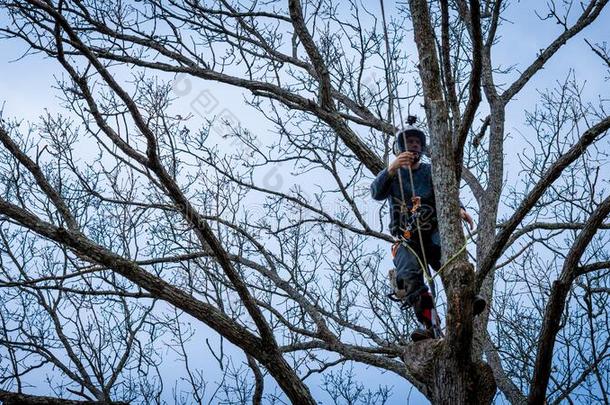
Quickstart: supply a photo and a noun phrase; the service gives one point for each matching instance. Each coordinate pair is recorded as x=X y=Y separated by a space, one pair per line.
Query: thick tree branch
x=588 y=15
x=474 y=85
x=550 y=175
x=473 y=183
x=259 y=382
x=505 y=384
x=588 y=268
x=547 y=226
x=449 y=80
x=18 y=398
x=476 y=141
x=300 y=28
x=41 y=180
x=555 y=306
x=189 y=212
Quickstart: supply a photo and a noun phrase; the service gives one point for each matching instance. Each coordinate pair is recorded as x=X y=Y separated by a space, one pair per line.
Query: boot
x=422 y=307
x=478 y=305
x=423 y=312
x=420 y=334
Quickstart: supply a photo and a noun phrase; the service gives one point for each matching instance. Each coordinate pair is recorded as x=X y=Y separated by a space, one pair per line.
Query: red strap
x=427 y=313
x=395 y=246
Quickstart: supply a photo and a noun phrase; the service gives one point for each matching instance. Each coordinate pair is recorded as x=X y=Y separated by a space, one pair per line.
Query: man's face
x=413 y=144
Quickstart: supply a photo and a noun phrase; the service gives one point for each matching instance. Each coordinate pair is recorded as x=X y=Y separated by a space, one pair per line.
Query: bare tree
x=157 y=213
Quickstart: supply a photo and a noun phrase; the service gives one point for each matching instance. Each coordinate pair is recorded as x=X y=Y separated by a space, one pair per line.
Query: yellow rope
x=452 y=258
x=429 y=277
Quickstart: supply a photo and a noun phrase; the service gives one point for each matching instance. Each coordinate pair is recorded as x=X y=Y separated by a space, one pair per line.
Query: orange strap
x=416 y=200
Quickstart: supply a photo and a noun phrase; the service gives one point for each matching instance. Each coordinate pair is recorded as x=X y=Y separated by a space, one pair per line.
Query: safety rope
x=421 y=240
x=393 y=88
x=393 y=94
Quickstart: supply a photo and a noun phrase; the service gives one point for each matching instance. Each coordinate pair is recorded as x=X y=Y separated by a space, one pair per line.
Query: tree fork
x=446 y=366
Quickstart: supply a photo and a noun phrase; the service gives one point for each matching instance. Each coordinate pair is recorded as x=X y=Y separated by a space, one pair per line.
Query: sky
x=26 y=92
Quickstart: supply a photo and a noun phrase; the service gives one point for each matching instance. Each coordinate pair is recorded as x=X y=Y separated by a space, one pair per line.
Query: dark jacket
x=388 y=187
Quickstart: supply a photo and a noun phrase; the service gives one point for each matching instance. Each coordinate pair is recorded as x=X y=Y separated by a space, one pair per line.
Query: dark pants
x=409 y=273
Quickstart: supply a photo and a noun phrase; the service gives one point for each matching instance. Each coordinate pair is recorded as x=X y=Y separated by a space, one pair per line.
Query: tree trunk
x=458 y=383
x=457 y=379
x=454 y=378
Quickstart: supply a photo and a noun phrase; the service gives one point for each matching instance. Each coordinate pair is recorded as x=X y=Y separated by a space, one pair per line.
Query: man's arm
x=380 y=189
x=466 y=216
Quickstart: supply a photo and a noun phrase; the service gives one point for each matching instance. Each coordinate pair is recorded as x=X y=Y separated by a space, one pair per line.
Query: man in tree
x=407 y=183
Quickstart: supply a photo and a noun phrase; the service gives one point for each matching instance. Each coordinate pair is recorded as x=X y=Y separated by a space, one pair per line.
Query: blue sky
x=26 y=91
